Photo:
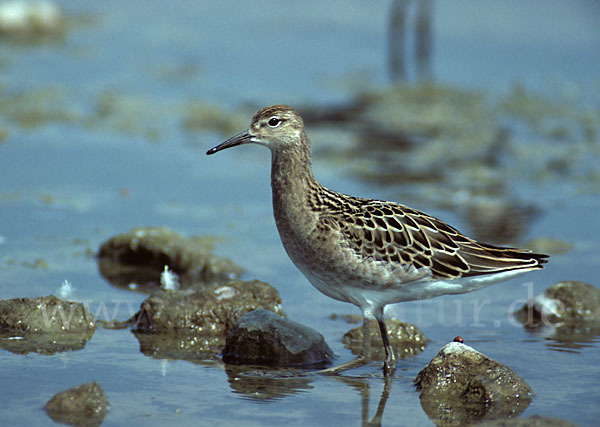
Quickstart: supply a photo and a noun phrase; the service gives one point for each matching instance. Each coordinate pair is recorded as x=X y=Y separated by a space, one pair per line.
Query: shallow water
x=114 y=154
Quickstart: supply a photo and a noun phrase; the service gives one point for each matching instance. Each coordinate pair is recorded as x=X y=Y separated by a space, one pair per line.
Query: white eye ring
x=274 y=121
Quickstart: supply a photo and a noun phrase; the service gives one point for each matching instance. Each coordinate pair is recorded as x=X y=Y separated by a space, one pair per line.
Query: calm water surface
x=70 y=183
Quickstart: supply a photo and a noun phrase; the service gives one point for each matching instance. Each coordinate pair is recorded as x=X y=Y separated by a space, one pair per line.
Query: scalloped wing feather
x=402 y=236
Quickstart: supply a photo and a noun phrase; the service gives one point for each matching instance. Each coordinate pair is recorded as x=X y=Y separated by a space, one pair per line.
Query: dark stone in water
x=140 y=256
x=264 y=338
x=462 y=386
x=44 y=325
x=405 y=338
x=84 y=405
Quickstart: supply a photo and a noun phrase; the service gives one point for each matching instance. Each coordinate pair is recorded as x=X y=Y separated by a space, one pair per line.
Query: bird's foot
x=389 y=367
x=354 y=363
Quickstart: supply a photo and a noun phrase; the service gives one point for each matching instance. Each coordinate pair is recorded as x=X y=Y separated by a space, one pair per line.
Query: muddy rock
x=44 y=325
x=212 y=309
x=191 y=323
x=84 y=405
x=44 y=315
x=565 y=303
x=567 y=315
x=406 y=339
x=462 y=386
x=263 y=338
x=135 y=260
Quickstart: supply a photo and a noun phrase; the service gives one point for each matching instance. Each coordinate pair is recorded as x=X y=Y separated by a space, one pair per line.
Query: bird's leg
x=389 y=365
x=366 y=336
x=361 y=360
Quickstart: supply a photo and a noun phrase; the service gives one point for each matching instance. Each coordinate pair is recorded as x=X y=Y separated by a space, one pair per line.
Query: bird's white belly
x=368 y=296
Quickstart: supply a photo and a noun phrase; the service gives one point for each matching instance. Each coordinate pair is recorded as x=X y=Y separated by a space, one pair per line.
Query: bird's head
x=278 y=127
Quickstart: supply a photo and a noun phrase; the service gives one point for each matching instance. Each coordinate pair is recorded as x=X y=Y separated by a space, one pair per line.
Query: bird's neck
x=292 y=183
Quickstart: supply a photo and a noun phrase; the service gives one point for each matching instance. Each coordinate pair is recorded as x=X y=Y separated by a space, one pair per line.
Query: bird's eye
x=274 y=122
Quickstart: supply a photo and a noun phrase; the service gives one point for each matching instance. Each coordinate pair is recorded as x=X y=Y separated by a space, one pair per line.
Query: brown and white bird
x=367 y=252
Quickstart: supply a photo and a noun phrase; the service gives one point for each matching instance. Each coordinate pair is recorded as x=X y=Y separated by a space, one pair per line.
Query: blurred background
x=485 y=114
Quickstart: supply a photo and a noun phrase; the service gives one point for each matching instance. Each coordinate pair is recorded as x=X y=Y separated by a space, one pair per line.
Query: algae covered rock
x=567 y=314
x=135 y=260
x=405 y=338
x=263 y=338
x=462 y=386
x=44 y=325
x=84 y=405
x=191 y=323
x=207 y=309
x=567 y=302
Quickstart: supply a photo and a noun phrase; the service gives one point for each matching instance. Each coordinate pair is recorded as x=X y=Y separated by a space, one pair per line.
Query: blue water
x=68 y=185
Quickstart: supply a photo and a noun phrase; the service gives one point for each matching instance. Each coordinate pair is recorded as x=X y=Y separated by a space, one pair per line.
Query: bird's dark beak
x=239 y=139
